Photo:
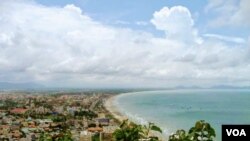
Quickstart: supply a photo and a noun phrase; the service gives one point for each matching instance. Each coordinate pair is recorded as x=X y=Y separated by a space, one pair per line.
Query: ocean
x=180 y=109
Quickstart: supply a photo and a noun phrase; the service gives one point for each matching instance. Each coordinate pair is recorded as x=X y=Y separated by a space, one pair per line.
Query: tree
x=58 y=118
x=180 y=135
x=128 y=131
x=45 y=137
x=147 y=131
x=67 y=136
x=202 y=131
x=63 y=136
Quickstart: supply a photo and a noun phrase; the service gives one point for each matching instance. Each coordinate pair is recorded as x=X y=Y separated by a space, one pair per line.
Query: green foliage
x=8 y=104
x=88 y=114
x=130 y=131
x=96 y=137
x=202 y=131
x=148 y=129
x=45 y=137
x=156 y=128
x=59 y=119
x=180 y=135
x=66 y=136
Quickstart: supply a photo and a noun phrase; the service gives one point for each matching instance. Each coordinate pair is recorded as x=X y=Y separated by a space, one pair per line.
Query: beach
x=172 y=110
x=109 y=105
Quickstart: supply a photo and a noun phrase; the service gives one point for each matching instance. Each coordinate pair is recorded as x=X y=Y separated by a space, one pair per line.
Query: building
x=103 y=121
x=18 y=111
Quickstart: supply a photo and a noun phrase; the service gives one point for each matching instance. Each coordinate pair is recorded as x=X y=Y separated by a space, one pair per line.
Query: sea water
x=180 y=109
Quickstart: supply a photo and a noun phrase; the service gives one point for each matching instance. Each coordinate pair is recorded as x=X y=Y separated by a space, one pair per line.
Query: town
x=77 y=116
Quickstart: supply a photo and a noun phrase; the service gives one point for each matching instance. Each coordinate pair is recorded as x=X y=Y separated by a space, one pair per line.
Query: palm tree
x=128 y=131
x=147 y=131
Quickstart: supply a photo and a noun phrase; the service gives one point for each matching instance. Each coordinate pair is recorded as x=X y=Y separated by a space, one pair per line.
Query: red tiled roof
x=4 y=126
x=94 y=129
x=18 y=111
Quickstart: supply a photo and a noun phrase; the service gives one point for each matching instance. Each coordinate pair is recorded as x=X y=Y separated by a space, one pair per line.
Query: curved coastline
x=113 y=109
x=118 y=115
x=109 y=105
x=188 y=117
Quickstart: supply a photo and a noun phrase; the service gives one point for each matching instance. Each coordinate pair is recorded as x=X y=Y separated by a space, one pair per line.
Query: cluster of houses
x=31 y=116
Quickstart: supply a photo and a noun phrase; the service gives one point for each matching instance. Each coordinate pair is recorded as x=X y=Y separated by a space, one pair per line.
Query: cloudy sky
x=132 y=43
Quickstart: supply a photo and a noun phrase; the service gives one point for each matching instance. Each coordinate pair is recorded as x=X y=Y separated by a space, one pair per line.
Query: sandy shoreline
x=109 y=105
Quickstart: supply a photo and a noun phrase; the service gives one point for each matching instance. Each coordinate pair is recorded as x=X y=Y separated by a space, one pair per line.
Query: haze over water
x=180 y=109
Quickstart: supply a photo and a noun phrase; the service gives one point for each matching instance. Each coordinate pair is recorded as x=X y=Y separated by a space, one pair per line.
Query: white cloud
x=226 y=38
x=141 y=23
x=173 y=20
x=64 y=46
x=177 y=23
x=73 y=8
x=242 y=16
x=229 y=12
x=122 y=22
x=213 y=3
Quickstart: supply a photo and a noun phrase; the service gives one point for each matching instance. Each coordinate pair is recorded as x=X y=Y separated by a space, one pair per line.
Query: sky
x=132 y=43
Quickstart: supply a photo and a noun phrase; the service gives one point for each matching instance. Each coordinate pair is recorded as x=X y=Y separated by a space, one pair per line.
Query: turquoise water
x=180 y=109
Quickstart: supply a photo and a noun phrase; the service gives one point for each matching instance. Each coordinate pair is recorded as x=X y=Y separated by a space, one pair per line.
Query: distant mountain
x=229 y=87
x=188 y=87
x=15 y=86
x=213 y=87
